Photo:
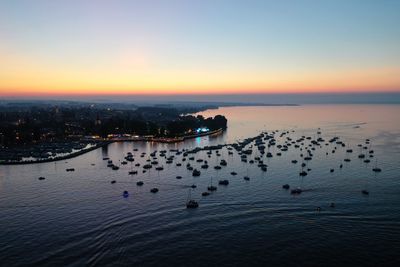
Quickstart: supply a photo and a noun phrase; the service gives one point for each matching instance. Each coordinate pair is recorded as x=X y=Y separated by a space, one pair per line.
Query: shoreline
x=69 y=156
x=106 y=143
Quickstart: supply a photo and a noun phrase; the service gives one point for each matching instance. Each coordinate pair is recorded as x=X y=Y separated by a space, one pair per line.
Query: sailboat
x=191 y=203
x=211 y=187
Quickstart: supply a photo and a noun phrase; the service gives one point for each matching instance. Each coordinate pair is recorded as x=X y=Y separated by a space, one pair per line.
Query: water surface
x=79 y=218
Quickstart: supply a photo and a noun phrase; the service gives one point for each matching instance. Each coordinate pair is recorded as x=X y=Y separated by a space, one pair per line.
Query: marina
x=349 y=198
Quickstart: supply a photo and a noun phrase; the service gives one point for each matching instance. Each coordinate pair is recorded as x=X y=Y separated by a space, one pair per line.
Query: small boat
x=133 y=172
x=286 y=186
x=303 y=173
x=205 y=193
x=178 y=177
x=246 y=178
x=233 y=173
x=41 y=178
x=376 y=169
x=154 y=190
x=193 y=186
x=332 y=170
x=296 y=191
x=223 y=182
x=365 y=192
x=125 y=194
x=264 y=169
x=191 y=203
x=211 y=187
x=115 y=168
x=140 y=183
x=294 y=161
x=196 y=172
x=70 y=170
x=113 y=182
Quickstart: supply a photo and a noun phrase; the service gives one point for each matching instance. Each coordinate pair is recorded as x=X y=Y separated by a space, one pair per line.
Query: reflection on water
x=81 y=218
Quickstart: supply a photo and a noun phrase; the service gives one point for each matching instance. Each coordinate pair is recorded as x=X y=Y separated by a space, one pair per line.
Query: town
x=45 y=132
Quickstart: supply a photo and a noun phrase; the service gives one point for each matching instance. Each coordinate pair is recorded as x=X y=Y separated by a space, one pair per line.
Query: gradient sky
x=168 y=47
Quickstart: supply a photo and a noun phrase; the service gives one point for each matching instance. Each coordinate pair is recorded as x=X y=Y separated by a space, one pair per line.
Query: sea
x=80 y=218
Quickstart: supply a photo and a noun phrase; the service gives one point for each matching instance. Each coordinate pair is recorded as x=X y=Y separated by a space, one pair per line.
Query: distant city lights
x=202 y=130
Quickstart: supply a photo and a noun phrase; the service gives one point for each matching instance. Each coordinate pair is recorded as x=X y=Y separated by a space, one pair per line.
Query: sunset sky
x=198 y=47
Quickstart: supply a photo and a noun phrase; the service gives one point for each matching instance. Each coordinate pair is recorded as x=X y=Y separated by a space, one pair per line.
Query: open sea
x=80 y=219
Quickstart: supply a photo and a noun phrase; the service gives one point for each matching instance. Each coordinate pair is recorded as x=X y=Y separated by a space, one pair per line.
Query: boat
x=223 y=182
x=246 y=178
x=196 y=172
x=125 y=194
x=264 y=169
x=192 y=204
x=140 y=183
x=303 y=173
x=365 y=192
x=376 y=169
x=41 y=178
x=211 y=187
x=154 y=190
x=296 y=191
x=286 y=186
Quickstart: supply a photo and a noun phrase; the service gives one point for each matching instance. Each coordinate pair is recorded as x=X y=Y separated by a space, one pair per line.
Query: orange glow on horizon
x=26 y=76
x=36 y=84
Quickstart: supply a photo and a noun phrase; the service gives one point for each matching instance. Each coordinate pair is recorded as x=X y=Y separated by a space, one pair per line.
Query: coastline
x=106 y=143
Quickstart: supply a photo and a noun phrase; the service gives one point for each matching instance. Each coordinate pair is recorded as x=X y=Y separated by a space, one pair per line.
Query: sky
x=150 y=47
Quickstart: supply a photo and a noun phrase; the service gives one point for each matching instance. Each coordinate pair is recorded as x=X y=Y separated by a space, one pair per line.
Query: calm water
x=80 y=219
